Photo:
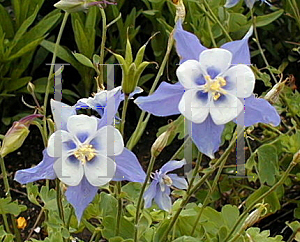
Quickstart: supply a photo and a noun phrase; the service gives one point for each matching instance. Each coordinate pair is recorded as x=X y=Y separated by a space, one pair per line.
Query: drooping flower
x=84 y=153
x=105 y=98
x=159 y=189
x=249 y=3
x=72 y=6
x=213 y=87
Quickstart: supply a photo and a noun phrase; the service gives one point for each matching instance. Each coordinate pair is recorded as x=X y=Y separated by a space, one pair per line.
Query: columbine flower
x=84 y=153
x=105 y=98
x=212 y=86
x=249 y=3
x=159 y=189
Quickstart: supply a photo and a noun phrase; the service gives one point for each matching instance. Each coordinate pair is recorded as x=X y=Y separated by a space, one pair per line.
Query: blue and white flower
x=159 y=189
x=84 y=153
x=213 y=86
x=249 y=3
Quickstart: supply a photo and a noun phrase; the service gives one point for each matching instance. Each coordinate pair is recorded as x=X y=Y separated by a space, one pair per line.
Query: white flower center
x=215 y=86
x=85 y=153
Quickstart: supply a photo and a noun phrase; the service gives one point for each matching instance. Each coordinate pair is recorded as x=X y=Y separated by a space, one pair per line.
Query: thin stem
x=138 y=207
x=180 y=148
x=123 y=118
x=195 y=171
x=6 y=223
x=4 y=175
x=261 y=197
x=35 y=224
x=100 y=85
x=211 y=33
x=199 y=184
x=260 y=48
x=217 y=20
x=59 y=202
x=63 y=24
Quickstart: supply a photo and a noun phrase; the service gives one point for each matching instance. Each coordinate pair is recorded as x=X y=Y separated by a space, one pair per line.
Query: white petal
x=100 y=170
x=225 y=109
x=194 y=108
x=215 y=61
x=60 y=142
x=240 y=80
x=108 y=141
x=82 y=126
x=69 y=170
x=190 y=75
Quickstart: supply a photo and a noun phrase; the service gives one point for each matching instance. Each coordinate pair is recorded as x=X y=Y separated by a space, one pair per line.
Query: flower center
x=215 y=86
x=85 y=153
x=167 y=180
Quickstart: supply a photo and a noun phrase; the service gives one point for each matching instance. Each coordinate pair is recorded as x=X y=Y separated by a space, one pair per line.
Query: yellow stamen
x=85 y=153
x=215 y=86
x=216 y=96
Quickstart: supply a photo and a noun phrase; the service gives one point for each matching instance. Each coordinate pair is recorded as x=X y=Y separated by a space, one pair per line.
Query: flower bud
x=72 y=6
x=16 y=135
x=296 y=157
x=255 y=215
x=30 y=88
x=21 y=223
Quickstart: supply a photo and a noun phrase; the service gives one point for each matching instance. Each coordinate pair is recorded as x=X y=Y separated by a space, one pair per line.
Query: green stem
x=217 y=20
x=211 y=34
x=4 y=175
x=180 y=148
x=63 y=24
x=259 y=46
x=138 y=207
x=6 y=223
x=195 y=171
x=123 y=118
x=261 y=197
x=200 y=183
x=140 y=128
x=208 y=196
x=59 y=204
x=100 y=84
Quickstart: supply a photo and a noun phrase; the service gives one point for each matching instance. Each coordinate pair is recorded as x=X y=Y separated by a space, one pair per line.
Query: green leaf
x=84 y=60
x=268 y=166
x=254 y=234
x=187 y=239
x=8 y=207
x=268 y=18
x=6 y=23
x=32 y=193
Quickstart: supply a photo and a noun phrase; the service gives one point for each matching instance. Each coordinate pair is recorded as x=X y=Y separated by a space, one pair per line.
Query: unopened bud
x=255 y=215
x=296 y=157
x=17 y=134
x=72 y=6
x=30 y=88
x=273 y=95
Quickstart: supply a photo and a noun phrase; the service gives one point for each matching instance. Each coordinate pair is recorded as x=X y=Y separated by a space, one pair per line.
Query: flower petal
x=240 y=49
x=164 y=101
x=194 y=105
x=100 y=170
x=44 y=170
x=188 y=46
x=69 y=170
x=178 y=182
x=259 y=110
x=207 y=136
x=82 y=126
x=128 y=168
x=150 y=194
x=172 y=165
x=190 y=74
x=230 y=3
x=80 y=196
x=61 y=112
x=215 y=61
x=225 y=109
x=61 y=142
x=108 y=141
x=240 y=80
x=163 y=200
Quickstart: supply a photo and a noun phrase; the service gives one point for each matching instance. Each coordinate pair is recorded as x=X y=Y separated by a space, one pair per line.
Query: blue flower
x=213 y=86
x=249 y=3
x=159 y=189
x=84 y=153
